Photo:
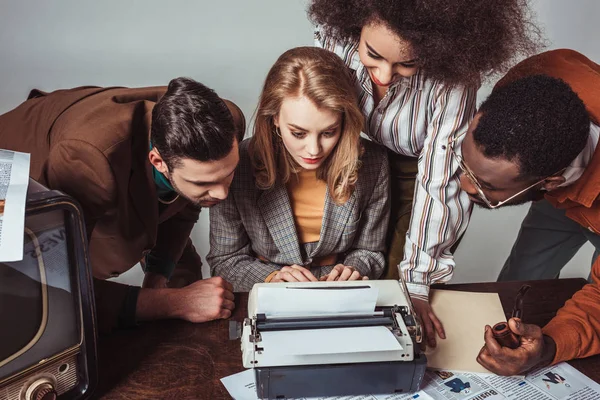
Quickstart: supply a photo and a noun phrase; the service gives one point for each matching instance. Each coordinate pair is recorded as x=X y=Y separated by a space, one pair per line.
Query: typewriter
x=316 y=339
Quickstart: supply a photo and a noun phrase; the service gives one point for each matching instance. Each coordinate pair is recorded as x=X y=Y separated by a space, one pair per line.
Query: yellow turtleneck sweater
x=307 y=198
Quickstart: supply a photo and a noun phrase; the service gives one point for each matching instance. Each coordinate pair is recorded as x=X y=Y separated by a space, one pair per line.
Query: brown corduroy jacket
x=576 y=327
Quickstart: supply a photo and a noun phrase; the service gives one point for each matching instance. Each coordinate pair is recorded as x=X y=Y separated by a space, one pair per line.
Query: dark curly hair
x=455 y=41
x=537 y=121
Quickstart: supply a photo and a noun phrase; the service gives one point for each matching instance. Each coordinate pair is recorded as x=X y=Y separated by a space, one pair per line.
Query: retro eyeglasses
x=471 y=176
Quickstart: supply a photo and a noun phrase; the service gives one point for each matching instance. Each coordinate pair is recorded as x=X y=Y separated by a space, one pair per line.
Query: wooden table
x=180 y=360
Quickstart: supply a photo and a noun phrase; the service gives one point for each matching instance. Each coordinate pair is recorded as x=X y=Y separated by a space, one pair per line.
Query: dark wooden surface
x=180 y=360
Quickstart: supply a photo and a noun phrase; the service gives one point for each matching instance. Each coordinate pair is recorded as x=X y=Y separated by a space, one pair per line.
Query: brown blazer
x=581 y=200
x=92 y=143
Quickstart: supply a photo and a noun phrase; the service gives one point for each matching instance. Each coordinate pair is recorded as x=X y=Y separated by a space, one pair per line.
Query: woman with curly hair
x=417 y=66
x=310 y=198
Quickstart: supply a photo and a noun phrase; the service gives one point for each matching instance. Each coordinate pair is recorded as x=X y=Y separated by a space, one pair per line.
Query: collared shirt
x=155 y=262
x=580 y=163
x=164 y=188
x=417 y=117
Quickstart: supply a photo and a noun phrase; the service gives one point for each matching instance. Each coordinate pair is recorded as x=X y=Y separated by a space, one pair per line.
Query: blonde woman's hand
x=294 y=273
x=344 y=273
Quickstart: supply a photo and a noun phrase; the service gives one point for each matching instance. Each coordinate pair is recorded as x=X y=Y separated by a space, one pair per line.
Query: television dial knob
x=41 y=389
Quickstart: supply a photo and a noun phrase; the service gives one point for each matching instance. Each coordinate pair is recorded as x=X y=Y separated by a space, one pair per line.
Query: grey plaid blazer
x=253 y=222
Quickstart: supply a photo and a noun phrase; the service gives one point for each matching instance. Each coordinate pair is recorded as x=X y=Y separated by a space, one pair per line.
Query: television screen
x=38 y=297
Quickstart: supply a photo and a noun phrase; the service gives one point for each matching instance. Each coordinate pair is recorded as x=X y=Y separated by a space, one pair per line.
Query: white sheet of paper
x=14 y=180
x=278 y=301
x=464 y=316
x=330 y=341
x=241 y=386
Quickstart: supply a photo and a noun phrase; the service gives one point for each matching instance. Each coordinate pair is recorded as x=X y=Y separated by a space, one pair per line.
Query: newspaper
x=14 y=179
x=558 y=382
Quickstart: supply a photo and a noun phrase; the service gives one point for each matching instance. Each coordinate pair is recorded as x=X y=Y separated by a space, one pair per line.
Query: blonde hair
x=321 y=77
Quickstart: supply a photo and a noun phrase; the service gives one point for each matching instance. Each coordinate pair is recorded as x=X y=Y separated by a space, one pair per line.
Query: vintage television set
x=47 y=321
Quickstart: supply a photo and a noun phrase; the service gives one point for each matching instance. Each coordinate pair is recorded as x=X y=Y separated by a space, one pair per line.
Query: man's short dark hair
x=191 y=121
x=538 y=122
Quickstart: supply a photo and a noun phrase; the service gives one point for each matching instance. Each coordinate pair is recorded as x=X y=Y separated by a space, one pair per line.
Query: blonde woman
x=309 y=199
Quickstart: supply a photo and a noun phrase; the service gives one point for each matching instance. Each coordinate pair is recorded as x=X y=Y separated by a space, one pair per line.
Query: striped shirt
x=417 y=117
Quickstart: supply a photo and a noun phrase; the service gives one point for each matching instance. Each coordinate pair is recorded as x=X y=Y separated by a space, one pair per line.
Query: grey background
x=228 y=45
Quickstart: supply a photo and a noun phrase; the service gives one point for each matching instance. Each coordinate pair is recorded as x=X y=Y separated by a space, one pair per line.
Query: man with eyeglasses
x=535 y=138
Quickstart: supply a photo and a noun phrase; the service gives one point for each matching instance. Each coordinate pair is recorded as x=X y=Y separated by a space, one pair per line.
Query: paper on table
x=241 y=386
x=14 y=179
x=464 y=316
x=278 y=301
x=330 y=341
x=560 y=381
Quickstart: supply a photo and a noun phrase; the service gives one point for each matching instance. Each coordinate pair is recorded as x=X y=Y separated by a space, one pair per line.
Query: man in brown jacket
x=141 y=163
x=536 y=138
